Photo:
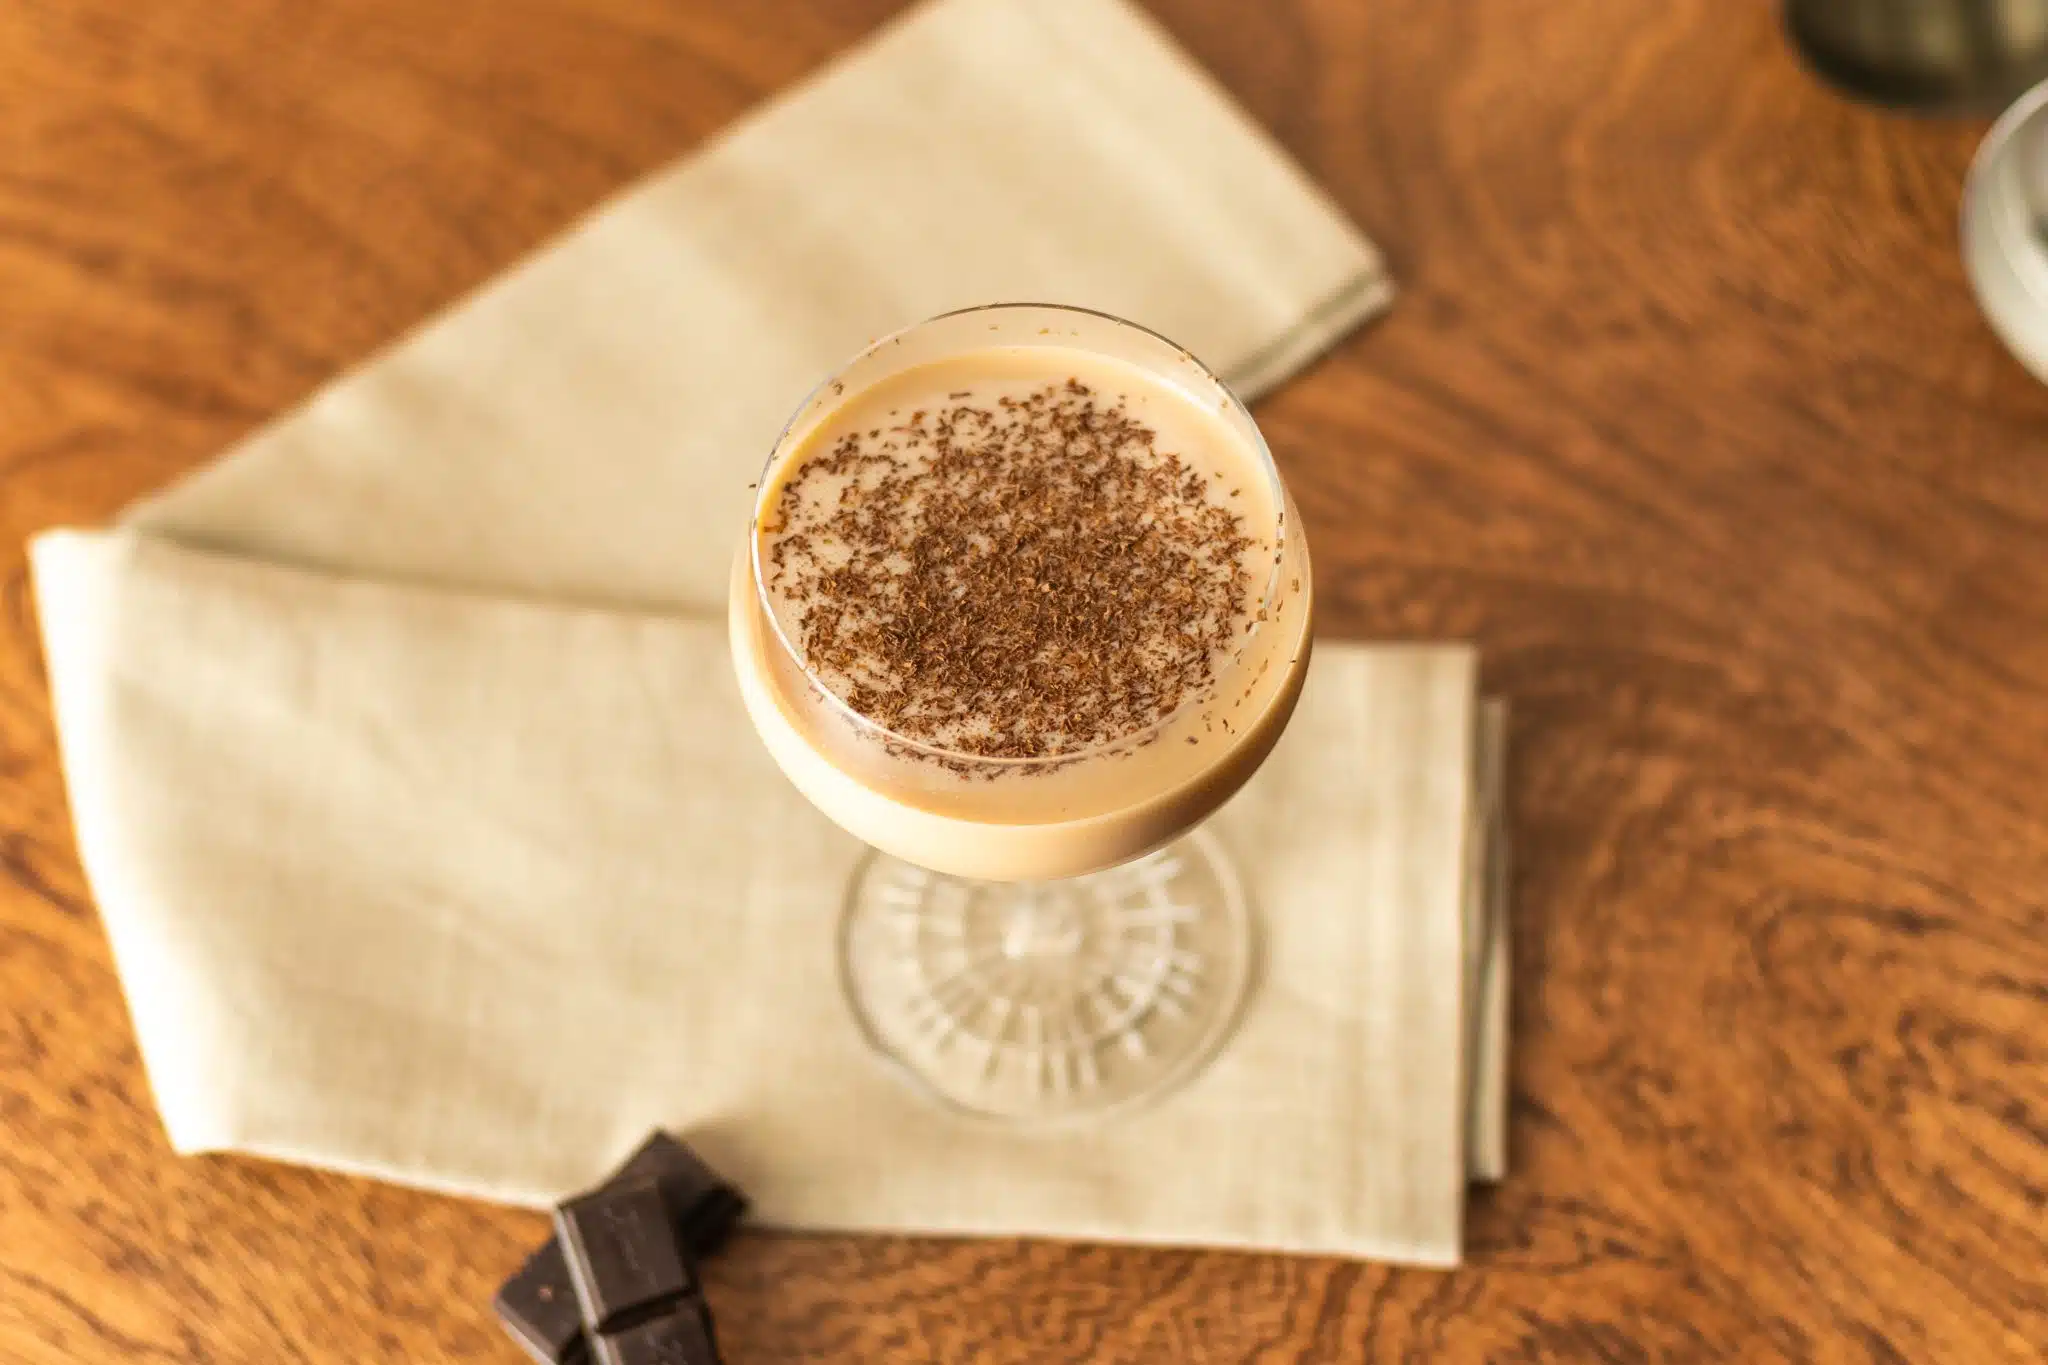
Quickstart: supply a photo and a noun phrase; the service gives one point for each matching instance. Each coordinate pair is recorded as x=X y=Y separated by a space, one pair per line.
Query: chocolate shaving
x=1026 y=580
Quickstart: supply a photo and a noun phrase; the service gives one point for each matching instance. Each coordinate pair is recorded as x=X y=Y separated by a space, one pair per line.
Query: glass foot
x=1050 y=1001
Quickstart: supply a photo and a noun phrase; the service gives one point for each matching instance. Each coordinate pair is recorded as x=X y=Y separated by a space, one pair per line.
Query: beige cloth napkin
x=430 y=836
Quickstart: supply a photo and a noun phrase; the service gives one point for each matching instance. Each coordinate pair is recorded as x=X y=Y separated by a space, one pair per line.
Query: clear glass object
x=1039 y=940
x=1041 y=1001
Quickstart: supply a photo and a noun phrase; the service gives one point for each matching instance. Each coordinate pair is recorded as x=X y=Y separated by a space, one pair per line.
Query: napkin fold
x=427 y=828
x=586 y=426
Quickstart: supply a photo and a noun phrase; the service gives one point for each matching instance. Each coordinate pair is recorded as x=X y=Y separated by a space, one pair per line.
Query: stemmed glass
x=1039 y=939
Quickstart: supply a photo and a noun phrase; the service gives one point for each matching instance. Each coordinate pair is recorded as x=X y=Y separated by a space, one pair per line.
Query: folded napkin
x=431 y=838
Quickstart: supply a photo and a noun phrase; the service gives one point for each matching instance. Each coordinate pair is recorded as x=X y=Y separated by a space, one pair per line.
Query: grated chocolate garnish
x=1026 y=579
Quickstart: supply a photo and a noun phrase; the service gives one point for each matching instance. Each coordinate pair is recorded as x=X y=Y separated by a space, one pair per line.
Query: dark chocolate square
x=538 y=1307
x=680 y=1337
x=623 y=1252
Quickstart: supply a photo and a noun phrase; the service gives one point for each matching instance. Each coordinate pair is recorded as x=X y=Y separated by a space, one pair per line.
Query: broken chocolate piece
x=623 y=1253
x=538 y=1307
x=705 y=1206
x=681 y=1336
x=538 y=1304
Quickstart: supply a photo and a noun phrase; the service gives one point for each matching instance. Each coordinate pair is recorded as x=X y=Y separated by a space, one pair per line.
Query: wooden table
x=1685 y=414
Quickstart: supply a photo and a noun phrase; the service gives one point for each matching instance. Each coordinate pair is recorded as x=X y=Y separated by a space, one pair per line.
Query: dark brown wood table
x=1685 y=414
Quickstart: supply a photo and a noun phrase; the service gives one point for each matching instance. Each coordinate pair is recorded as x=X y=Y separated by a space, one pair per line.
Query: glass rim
x=1262 y=615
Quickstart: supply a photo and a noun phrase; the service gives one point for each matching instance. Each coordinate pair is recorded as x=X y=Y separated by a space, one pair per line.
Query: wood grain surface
x=1685 y=414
